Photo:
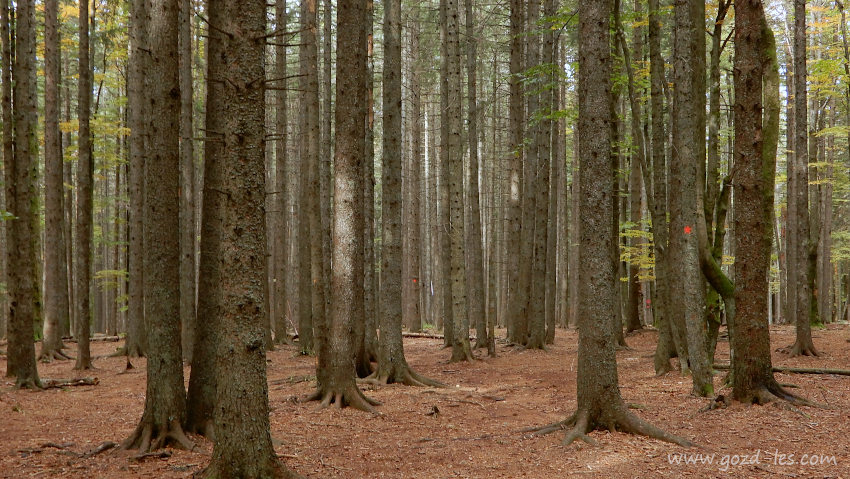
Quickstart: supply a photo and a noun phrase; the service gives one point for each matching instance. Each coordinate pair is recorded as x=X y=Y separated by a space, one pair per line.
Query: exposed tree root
x=401 y=375
x=774 y=392
x=800 y=349
x=206 y=429
x=103 y=447
x=349 y=395
x=28 y=383
x=148 y=438
x=783 y=369
x=580 y=423
x=53 y=354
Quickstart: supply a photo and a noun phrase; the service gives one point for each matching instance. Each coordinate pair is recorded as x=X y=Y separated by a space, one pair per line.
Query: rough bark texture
x=755 y=160
x=56 y=307
x=661 y=309
x=22 y=202
x=187 y=183
x=516 y=119
x=461 y=350
x=392 y=366
x=687 y=303
x=237 y=254
x=475 y=256
x=414 y=242
x=8 y=151
x=335 y=367
x=600 y=405
x=136 y=330
x=165 y=398
x=803 y=344
x=281 y=242
x=85 y=184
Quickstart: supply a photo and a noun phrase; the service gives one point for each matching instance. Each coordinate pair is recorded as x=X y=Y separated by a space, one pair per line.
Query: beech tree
x=756 y=138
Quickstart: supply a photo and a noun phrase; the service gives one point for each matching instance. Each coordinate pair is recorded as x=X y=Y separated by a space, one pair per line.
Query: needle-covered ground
x=473 y=428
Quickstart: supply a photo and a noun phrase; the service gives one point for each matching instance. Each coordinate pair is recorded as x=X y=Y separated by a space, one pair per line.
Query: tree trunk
x=165 y=398
x=475 y=260
x=598 y=394
x=414 y=242
x=136 y=342
x=236 y=254
x=803 y=344
x=85 y=180
x=392 y=366
x=755 y=63
x=281 y=248
x=668 y=346
x=187 y=183
x=461 y=350
x=56 y=271
x=516 y=119
x=684 y=199
x=335 y=371
x=22 y=201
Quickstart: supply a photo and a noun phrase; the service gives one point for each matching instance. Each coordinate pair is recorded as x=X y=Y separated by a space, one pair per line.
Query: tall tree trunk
x=22 y=201
x=516 y=119
x=461 y=350
x=56 y=271
x=414 y=241
x=85 y=180
x=541 y=139
x=165 y=398
x=392 y=366
x=599 y=403
x=136 y=342
x=365 y=324
x=236 y=257
x=303 y=254
x=755 y=160
x=803 y=344
x=282 y=179
x=668 y=345
x=335 y=371
x=187 y=183
x=684 y=199
x=475 y=257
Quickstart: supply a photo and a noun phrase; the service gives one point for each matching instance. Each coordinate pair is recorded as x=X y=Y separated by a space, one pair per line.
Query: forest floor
x=477 y=432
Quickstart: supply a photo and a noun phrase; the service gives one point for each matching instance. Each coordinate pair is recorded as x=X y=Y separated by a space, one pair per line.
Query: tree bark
x=236 y=253
x=414 y=241
x=165 y=398
x=85 y=184
x=281 y=248
x=599 y=403
x=56 y=271
x=187 y=183
x=335 y=371
x=803 y=344
x=755 y=157
x=22 y=199
x=475 y=257
x=516 y=119
x=136 y=343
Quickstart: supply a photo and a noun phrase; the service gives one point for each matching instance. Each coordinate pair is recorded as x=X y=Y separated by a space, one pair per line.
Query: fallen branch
x=429 y=336
x=108 y=339
x=783 y=369
x=63 y=383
